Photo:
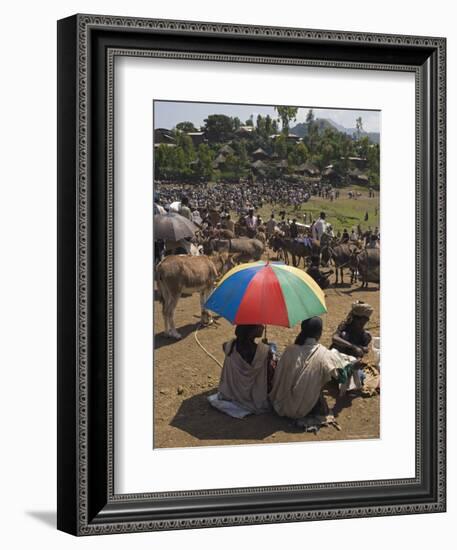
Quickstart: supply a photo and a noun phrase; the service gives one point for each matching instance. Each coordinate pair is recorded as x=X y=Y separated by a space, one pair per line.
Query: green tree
x=236 y=123
x=250 y=121
x=280 y=146
x=179 y=160
x=298 y=154
x=268 y=125
x=373 y=164
x=205 y=162
x=310 y=117
x=286 y=114
x=185 y=142
x=186 y=126
x=160 y=161
x=363 y=146
x=312 y=137
x=261 y=126
x=239 y=146
x=358 y=127
x=234 y=165
x=218 y=128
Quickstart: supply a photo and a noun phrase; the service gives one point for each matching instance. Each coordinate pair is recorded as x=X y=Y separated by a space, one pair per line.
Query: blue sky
x=168 y=113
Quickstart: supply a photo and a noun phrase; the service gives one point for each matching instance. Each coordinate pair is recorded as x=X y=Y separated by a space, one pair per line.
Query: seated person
x=351 y=337
x=321 y=277
x=248 y=370
x=303 y=370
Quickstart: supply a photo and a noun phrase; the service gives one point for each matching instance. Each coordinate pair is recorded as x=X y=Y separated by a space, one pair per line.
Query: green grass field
x=343 y=213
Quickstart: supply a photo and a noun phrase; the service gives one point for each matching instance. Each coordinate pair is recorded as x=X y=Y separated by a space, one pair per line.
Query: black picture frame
x=87 y=45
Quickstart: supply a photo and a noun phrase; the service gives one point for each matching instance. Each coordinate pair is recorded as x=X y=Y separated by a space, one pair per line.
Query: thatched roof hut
x=356 y=176
x=245 y=131
x=308 y=169
x=260 y=154
x=330 y=174
x=226 y=150
x=259 y=165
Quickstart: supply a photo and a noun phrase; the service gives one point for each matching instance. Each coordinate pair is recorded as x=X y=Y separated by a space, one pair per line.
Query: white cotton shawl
x=299 y=377
x=244 y=383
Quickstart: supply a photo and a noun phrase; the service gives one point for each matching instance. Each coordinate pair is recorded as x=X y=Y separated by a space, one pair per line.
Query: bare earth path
x=184 y=376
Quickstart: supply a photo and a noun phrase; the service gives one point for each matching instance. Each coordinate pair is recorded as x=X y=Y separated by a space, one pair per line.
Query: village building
x=260 y=154
x=197 y=138
x=163 y=135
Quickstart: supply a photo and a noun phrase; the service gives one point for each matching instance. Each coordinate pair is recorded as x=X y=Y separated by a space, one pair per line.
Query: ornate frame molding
x=83 y=521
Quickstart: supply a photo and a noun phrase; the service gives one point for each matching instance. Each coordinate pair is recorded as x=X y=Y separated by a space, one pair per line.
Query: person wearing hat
x=351 y=337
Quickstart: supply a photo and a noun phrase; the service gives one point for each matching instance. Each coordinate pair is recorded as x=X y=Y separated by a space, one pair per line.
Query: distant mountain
x=301 y=129
x=372 y=136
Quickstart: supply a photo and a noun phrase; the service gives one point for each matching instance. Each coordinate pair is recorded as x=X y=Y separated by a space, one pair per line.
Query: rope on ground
x=203 y=348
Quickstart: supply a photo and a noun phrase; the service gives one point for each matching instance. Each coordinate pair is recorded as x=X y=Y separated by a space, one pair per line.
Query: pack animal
x=242 y=249
x=342 y=256
x=297 y=249
x=367 y=264
x=188 y=274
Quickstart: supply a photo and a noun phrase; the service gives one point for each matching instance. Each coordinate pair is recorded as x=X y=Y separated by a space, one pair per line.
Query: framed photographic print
x=251 y=228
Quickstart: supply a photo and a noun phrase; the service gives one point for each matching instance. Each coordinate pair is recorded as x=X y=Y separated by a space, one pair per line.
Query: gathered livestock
x=342 y=255
x=298 y=249
x=242 y=249
x=187 y=274
x=367 y=264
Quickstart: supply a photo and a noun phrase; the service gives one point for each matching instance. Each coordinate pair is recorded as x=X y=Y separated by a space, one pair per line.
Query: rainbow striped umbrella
x=267 y=293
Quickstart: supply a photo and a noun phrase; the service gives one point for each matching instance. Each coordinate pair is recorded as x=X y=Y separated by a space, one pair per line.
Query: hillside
x=301 y=129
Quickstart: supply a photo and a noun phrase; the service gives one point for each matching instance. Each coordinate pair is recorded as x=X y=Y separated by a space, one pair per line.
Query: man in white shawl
x=247 y=370
x=302 y=372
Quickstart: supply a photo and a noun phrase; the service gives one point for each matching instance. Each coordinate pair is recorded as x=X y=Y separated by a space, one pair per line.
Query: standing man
x=319 y=227
x=158 y=208
x=251 y=223
x=270 y=225
x=294 y=229
x=229 y=223
x=184 y=209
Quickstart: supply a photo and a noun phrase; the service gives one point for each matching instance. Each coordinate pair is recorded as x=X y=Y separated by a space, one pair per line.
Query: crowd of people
x=214 y=212
x=255 y=194
x=255 y=380
x=213 y=220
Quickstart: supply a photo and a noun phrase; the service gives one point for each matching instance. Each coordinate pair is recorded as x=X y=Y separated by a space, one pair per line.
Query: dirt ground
x=184 y=376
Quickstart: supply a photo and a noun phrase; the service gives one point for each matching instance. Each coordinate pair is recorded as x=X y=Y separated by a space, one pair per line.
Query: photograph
x=267 y=250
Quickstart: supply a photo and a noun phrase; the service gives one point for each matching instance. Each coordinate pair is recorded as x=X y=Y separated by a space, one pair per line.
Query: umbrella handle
x=265 y=339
